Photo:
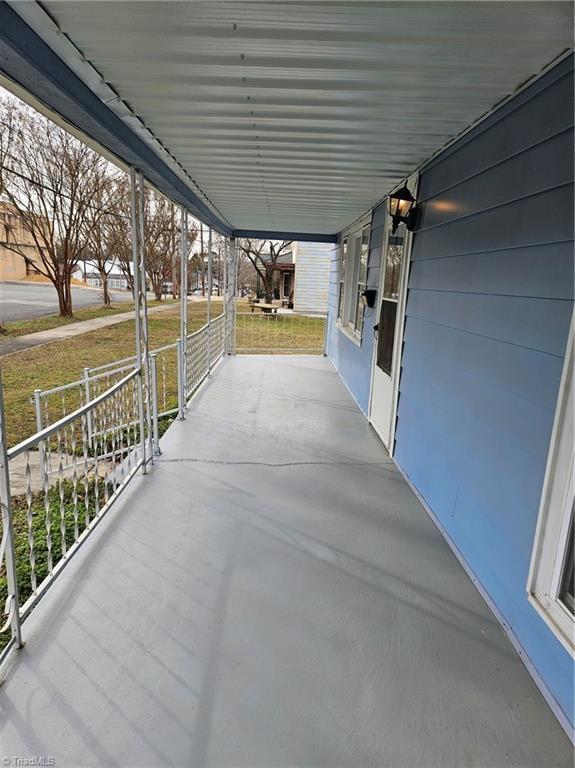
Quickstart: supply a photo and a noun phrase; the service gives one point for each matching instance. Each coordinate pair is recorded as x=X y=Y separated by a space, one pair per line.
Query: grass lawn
x=259 y=333
x=64 y=361
x=47 y=322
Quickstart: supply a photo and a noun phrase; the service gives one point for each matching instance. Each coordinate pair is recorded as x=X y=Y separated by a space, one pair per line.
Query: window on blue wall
x=551 y=574
x=353 y=277
x=342 y=270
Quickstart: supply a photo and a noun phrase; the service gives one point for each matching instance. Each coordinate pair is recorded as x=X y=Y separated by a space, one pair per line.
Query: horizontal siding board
x=484 y=407
x=534 y=120
x=547 y=165
x=542 y=218
x=532 y=376
x=541 y=270
x=378 y=216
x=540 y=324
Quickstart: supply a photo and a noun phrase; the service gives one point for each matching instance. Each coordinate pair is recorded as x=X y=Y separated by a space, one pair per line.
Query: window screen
x=386 y=335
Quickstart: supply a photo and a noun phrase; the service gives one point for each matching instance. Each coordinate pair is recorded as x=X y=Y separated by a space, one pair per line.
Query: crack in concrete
x=185 y=460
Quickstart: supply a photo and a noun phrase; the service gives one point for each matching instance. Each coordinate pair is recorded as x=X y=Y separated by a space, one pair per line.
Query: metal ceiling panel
x=299 y=116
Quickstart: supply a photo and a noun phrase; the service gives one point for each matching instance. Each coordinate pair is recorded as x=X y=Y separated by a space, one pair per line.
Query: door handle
x=375 y=329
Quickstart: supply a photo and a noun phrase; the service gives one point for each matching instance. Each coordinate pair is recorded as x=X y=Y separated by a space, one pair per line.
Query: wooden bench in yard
x=266 y=308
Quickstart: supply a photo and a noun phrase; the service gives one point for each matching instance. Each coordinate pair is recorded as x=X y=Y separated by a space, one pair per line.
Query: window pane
x=364 y=255
x=352 y=278
x=340 y=301
x=343 y=258
x=393 y=259
x=566 y=595
x=386 y=335
x=359 y=310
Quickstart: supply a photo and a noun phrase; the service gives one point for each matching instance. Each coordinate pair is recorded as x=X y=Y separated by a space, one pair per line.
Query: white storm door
x=387 y=347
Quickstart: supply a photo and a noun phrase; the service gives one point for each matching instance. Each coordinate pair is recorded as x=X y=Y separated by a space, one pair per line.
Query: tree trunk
x=106 y=298
x=268 y=293
x=63 y=289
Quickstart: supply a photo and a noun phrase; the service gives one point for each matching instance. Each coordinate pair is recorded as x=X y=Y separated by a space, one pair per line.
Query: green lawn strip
x=47 y=322
x=280 y=333
x=62 y=362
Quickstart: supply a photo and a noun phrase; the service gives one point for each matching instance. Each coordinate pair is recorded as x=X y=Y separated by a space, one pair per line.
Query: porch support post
x=209 y=299
x=136 y=266
x=144 y=319
x=135 y=234
x=12 y=620
x=230 y=296
x=183 y=347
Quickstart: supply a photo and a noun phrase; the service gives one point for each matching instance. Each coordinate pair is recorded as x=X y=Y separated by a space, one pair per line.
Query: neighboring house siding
x=353 y=363
x=489 y=305
x=312 y=266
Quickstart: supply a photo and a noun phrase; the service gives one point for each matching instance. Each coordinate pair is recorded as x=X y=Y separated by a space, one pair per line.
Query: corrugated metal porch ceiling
x=298 y=116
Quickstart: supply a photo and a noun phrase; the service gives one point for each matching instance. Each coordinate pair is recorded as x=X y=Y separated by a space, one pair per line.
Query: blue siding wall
x=488 y=311
x=353 y=363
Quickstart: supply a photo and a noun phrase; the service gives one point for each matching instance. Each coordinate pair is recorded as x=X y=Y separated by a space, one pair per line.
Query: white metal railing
x=260 y=333
x=92 y=436
x=172 y=388
x=204 y=348
x=55 y=487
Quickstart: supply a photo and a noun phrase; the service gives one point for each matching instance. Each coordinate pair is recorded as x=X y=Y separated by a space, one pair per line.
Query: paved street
x=21 y=302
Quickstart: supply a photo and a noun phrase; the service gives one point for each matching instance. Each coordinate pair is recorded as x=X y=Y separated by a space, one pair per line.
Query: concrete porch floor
x=272 y=594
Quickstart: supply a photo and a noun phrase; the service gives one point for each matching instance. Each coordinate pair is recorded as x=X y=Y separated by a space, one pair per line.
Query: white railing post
x=136 y=266
x=181 y=380
x=183 y=340
x=230 y=296
x=325 y=334
x=209 y=300
x=38 y=414
x=12 y=608
x=144 y=307
x=154 y=387
x=87 y=395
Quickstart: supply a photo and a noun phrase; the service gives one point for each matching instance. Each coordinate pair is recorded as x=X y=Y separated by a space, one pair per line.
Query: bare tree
x=51 y=180
x=102 y=241
x=119 y=229
x=264 y=255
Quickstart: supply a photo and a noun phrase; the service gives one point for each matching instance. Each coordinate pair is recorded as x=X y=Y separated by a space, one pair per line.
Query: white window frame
x=351 y=282
x=555 y=514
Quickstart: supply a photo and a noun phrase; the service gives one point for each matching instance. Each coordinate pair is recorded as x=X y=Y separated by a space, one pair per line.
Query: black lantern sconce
x=368 y=297
x=402 y=208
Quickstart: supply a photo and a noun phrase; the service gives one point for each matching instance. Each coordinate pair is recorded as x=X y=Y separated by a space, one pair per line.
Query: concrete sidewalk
x=18 y=343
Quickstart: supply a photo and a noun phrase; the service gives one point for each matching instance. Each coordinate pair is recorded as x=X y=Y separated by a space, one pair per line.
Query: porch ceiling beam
x=263 y=234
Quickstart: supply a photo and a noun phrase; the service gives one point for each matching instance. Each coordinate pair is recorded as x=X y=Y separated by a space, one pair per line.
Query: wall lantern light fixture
x=402 y=208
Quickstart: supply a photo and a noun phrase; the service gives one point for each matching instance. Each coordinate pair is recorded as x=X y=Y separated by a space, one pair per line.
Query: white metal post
x=39 y=427
x=183 y=348
x=226 y=298
x=230 y=297
x=137 y=313
x=209 y=299
x=236 y=263
x=144 y=307
x=13 y=601
x=154 y=393
x=181 y=382
x=87 y=395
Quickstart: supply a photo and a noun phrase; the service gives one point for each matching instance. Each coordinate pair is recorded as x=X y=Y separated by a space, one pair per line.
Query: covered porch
x=272 y=594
